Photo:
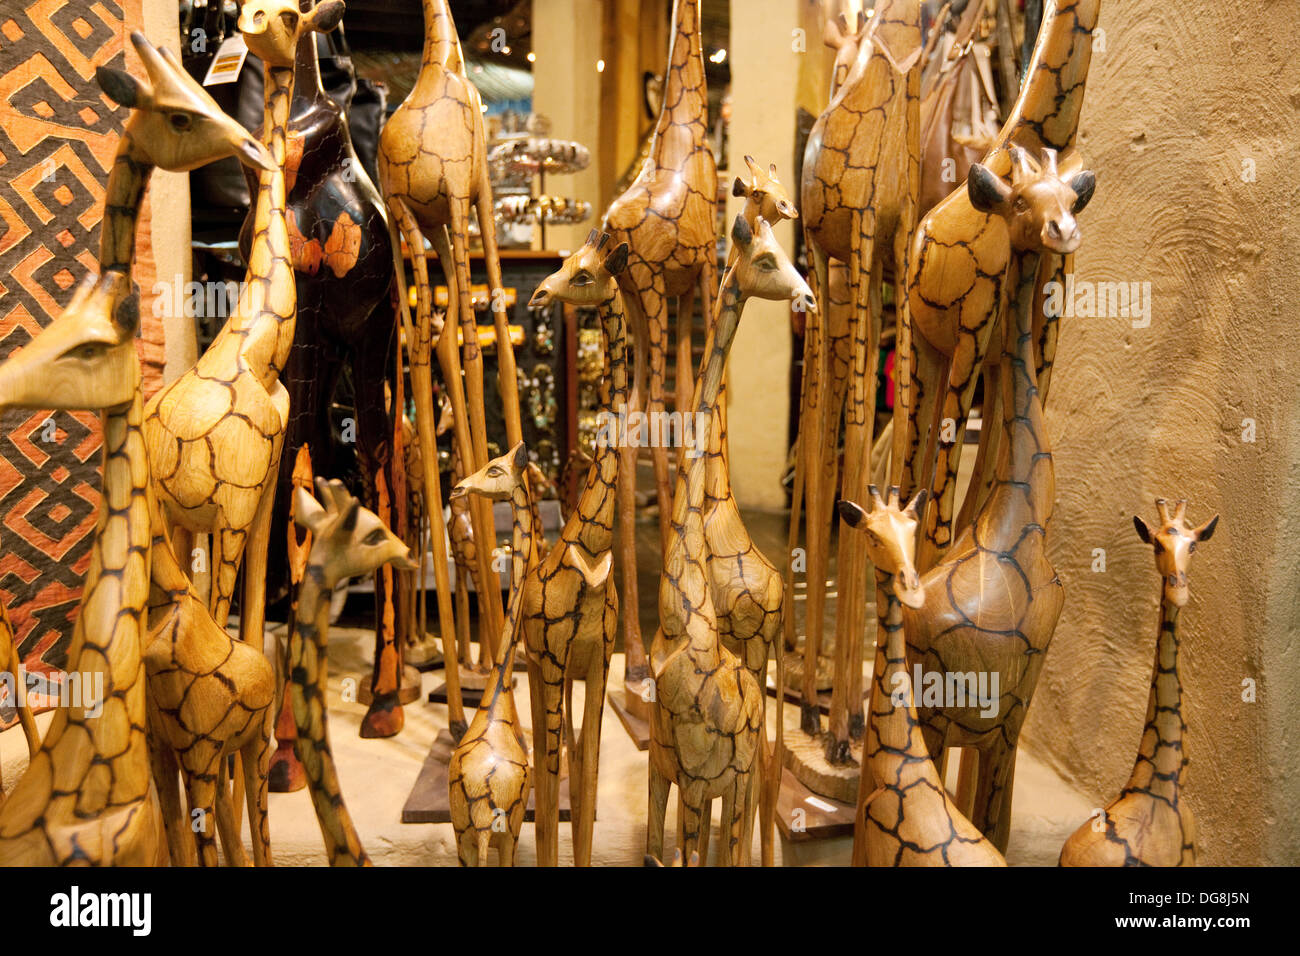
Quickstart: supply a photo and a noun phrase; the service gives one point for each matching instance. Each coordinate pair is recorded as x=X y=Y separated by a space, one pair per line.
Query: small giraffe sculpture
x=215 y=434
x=708 y=713
x=995 y=596
x=432 y=171
x=668 y=218
x=905 y=816
x=570 y=603
x=347 y=541
x=958 y=289
x=11 y=666
x=88 y=796
x=1149 y=823
x=487 y=777
x=861 y=177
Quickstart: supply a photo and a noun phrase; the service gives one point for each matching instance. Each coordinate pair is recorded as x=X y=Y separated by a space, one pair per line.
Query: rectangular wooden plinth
x=820 y=818
x=428 y=801
x=637 y=728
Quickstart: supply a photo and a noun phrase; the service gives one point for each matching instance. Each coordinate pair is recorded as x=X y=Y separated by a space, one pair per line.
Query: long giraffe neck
x=683 y=589
x=893 y=732
x=594 y=515
x=1025 y=486
x=127 y=181
x=1161 y=758
x=683 y=119
x=441 y=43
x=717 y=476
x=267 y=311
x=307 y=86
x=897 y=25
x=1047 y=111
x=520 y=560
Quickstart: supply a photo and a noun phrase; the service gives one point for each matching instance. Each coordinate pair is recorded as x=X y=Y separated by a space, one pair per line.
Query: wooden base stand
x=633 y=713
x=803 y=815
x=805 y=757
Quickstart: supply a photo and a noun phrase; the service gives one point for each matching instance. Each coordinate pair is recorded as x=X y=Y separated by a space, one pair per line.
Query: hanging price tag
x=228 y=61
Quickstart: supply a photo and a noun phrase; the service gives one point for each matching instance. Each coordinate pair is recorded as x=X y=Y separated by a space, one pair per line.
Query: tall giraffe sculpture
x=88 y=796
x=861 y=178
x=487 y=776
x=708 y=715
x=570 y=609
x=905 y=816
x=215 y=434
x=432 y=171
x=1149 y=823
x=347 y=541
x=996 y=597
x=668 y=219
x=958 y=291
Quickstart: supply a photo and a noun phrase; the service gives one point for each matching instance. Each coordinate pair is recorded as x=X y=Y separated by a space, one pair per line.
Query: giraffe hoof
x=457 y=730
x=857 y=727
x=810 y=719
x=384 y=718
x=286 y=773
x=838 y=751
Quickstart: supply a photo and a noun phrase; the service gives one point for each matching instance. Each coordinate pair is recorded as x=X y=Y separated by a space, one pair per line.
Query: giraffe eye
x=374 y=538
x=87 y=352
x=582 y=278
x=1191 y=548
x=495 y=472
x=181 y=122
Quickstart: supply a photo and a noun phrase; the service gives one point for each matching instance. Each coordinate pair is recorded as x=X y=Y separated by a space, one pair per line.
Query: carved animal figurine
x=995 y=598
x=88 y=796
x=905 y=816
x=708 y=713
x=11 y=665
x=433 y=170
x=570 y=609
x=861 y=177
x=487 y=777
x=464 y=550
x=1149 y=823
x=343 y=267
x=210 y=697
x=215 y=434
x=347 y=541
x=957 y=287
x=668 y=218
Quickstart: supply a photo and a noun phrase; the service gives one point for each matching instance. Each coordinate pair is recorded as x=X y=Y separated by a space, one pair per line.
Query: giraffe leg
x=546 y=761
x=506 y=849
x=482 y=841
x=202 y=795
x=227 y=826
x=419 y=350
x=695 y=824
x=656 y=811
x=256 y=758
x=684 y=374
x=735 y=825
x=653 y=304
x=574 y=755
x=507 y=376
x=593 y=701
x=166 y=775
x=706 y=830
x=636 y=668
x=227 y=549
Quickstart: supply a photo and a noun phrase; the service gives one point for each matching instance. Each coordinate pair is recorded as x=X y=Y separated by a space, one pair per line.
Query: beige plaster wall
x=1192 y=122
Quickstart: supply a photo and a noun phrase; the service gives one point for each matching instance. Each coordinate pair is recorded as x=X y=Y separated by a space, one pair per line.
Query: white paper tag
x=228 y=61
x=819 y=804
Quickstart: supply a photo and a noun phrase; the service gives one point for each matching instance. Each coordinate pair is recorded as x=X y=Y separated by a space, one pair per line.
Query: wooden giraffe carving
x=861 y=177
x=464 y=549
x=570 y=603
x=88 y=796
x=995 y=597
x=905 y=816
x=708 y=714
x=1149 y=823
x=347 y=541
x=215 y=434
x=432 y=171
x=668 y=218
x=487 y=777
x=957 y=284
x=11 y=667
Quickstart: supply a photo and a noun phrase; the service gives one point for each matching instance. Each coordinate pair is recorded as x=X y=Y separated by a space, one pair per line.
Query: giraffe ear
x=1083 y=185
x=986 y=189
x=519 y=458
x=738 y=188
x=307 y=512
x=616 y=261
x=917 y=504
x=1206 y=531
x=1143 y=529
x=123 y=88
x=326 y=16
x=741 y=234
x=853 y=514
x=127 y=315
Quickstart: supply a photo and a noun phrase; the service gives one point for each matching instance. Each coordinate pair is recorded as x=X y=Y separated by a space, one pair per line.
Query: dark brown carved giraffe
x=570 y=603
x=904 y=815
x=487 y=776
x=433 y=170
x=708 y=714
x=347 y=541
x=88 y=796
x=667 y=217
x=861 y=177
x=1149 y=823
x=957 y=287
x=995 y=598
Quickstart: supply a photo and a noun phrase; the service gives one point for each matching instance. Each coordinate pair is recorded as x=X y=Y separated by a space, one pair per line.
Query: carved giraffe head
x=83 y=360
x=1174 y=542
x=271 y=28
x=499 y=478
x=1038 y=205
x=844 y=38
x=174 y=122
x=347 y=539
x=765 y=193
x=587 y=276
x=762 y=268
x=891 y=539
